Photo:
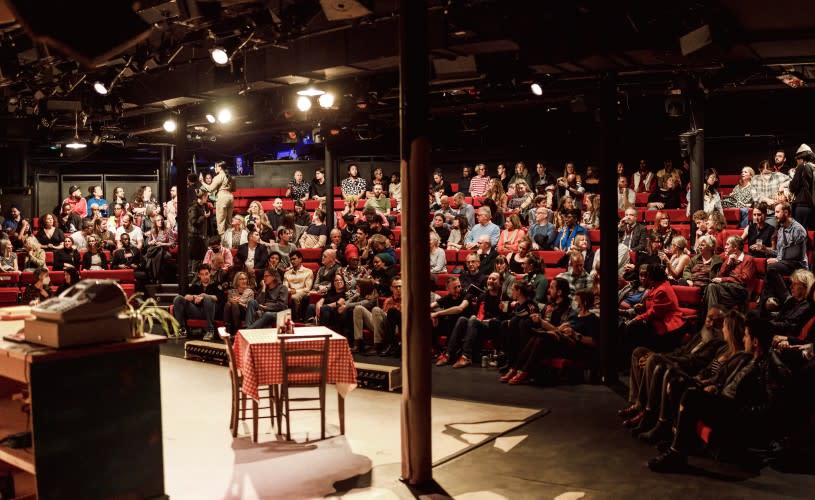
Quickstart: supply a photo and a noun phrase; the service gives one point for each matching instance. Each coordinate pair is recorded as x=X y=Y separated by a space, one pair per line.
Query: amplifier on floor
x=379 y=377
x=210 y=352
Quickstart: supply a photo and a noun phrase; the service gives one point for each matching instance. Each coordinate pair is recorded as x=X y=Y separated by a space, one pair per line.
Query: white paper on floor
x=571 y=495
x=507 y=443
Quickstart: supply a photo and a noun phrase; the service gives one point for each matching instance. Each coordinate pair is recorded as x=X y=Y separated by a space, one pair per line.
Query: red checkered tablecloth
x=257 y=353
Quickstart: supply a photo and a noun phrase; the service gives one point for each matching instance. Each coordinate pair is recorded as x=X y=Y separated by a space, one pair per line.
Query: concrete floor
x=575 y=448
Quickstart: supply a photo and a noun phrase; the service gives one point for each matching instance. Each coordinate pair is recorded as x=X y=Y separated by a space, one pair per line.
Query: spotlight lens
x=310 y=92
x=76 y=145
x=219 y=55
x=210 y=118
x=303 y=103
x=100 y=88
x=224 y=116
x=536 y=89
x=170 y=125
x=327 y=100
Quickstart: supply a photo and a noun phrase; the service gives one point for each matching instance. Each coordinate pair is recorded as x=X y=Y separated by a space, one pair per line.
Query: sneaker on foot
x=182 y=333
x=209 y=336
x=462 y=362
x=442 y=360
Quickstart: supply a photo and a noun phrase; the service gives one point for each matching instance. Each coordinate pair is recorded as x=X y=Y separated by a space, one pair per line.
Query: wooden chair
x=239 y=397
x=303 y=366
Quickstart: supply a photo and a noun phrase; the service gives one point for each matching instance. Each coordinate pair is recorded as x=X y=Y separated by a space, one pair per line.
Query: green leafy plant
x=144 y=313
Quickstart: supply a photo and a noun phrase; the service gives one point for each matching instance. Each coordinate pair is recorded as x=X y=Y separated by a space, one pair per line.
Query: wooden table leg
x=341 y=408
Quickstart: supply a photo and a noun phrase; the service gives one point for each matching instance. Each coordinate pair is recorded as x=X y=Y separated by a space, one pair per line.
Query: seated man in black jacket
x=127 y=256
x=201 y=301
x=273 y=297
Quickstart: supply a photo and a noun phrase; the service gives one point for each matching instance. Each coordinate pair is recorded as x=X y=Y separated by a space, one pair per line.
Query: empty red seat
x=311 y=254
x=729 y=180
x=688 y=296
x=451 y=256
x=549 y=257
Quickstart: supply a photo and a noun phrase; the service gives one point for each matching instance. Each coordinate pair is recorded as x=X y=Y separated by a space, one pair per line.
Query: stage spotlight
x=326 y=100
x=219 y=56
x=224 y=116
x=303 y=103
x=170 y=125
x=100 y=88
x=536 y=89
x=210 y=118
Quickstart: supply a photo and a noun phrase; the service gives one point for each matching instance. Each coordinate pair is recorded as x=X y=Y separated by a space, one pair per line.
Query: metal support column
x=415 y=174
x=164 y=176
x=329 y=185
x=182 y=168
x=608 y=224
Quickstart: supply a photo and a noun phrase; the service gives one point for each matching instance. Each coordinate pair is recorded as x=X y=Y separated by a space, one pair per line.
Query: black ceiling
x=484 y=54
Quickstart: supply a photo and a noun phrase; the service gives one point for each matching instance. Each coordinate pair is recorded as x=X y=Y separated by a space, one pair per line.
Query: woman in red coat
x=659 y=325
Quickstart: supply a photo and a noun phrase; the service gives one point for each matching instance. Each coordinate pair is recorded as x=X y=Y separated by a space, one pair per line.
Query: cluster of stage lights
x=223 y=116
x=325 y=99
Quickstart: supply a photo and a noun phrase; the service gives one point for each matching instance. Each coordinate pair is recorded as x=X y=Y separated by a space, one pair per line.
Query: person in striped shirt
x=480 y=182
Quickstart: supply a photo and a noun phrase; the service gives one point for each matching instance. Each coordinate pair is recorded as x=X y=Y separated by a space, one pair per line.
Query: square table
x=257 y=355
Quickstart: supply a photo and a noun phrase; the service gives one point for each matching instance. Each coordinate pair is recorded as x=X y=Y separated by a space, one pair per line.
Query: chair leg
x=341 y=410
x=278 y=408
x=322 y=412
x=288 y=420
x=254 y=421
x=272 y=407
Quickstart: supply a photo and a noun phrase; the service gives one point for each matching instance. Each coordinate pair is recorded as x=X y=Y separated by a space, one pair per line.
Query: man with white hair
x=484 y=226
x=486 y=255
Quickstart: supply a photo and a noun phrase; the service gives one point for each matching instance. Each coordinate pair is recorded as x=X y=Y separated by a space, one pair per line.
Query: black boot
x=368 y=349
x=659 y=433
x=359 y=346
x=649 y=420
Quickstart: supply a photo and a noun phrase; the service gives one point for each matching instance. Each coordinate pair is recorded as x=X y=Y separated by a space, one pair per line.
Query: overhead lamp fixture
x=310 y=92
x=224 y=115
x=536 y=88
x=170 y=125
x=102 y=89
x=75 y=144
x=303 y=103
x=210 y=118
x=326 y=100
x=221 y=57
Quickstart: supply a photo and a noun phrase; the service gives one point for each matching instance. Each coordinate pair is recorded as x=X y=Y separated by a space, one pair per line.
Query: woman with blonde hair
x=8 y=258
x=35 y=257
x=742 y=195
x=237 y=299
x=675 y=264
x=591 y=217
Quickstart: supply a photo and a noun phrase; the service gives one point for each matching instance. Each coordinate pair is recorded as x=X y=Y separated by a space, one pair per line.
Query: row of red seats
x=14 y=283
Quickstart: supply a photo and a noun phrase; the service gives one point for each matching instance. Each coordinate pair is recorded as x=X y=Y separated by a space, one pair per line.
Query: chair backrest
x=304 y=359
x=230 y=354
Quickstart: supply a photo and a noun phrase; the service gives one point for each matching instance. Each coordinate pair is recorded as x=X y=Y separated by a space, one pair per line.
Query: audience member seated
x=795 y=309
x=298 y=188
x=759 y=235
x=70 y=278
x=570 y=229
x=353 y=187
x=364 y=296
x=353 y=270
x=298 y=279
x=662 y=229
x=326 y=310
x=576 y=275
x=395 y=190
x=50 y=236
x=66 y=256
x=273 y=297
x=497 y=194
x=459 y=231
x=581 y=245
x=94 y=259
x=105 y=237
x=534 y=275
x=486 y=255
x=515 y=331
x=39 y=290
x=443 y=207
x=202 y=301
x=284 y=247
x=252 y=253
x=467 y=210
x=316 y=235
x=677 y=262
x=335 y=243
x=126 y=256
x=790 y=254
x=215 y=248
x=626 y=197
x=511 y=235
x=716 y=224
x=659 y=326
x=237 y=299
x=630 y=232
x=705 y=265
x=516 y=260
x=438 y=260
x=236 y=235
x=446 y=311
x=275 y=215
x=440 y=187
x=541 y=231
x=160 y=239
x=666 y=197
x=14 y=220
x=8 y=258
x=643 y=180
x=737 y=407
x=731 y=287
x=79 y=205
x=441 y=229
x=136 y=235
x=507 y=278
x=522 y=200
x=591 y=217
x=35 y=255
x=325 y=273
x=301 y=217
x=742 y=195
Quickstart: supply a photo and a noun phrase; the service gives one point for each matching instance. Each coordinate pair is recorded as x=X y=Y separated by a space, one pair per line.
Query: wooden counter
x=95 y=416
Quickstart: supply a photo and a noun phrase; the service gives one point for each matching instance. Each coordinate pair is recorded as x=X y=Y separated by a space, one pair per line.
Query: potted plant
x=144 y=313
